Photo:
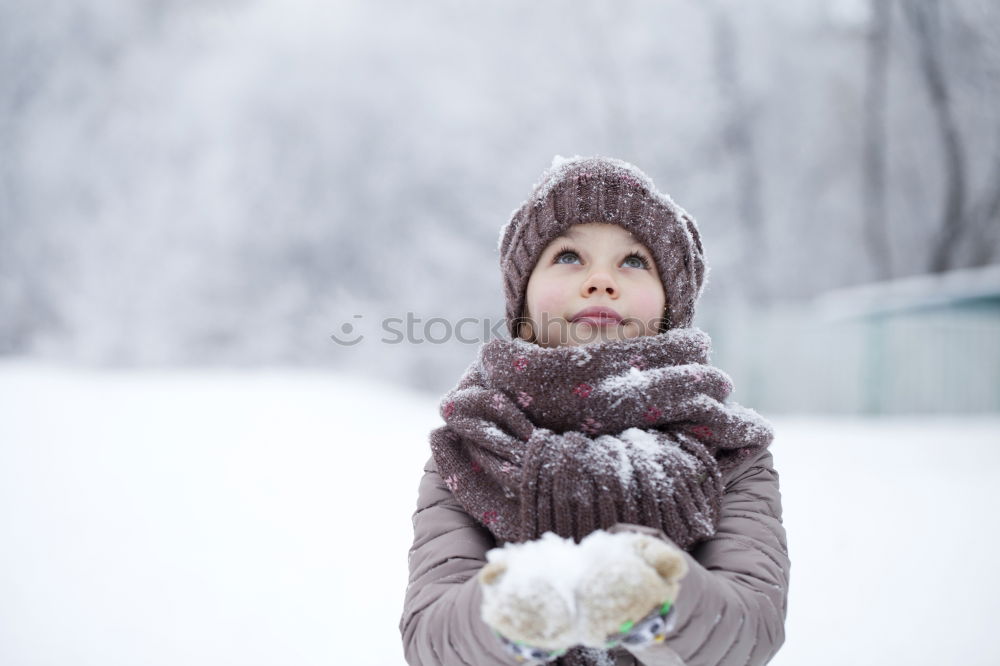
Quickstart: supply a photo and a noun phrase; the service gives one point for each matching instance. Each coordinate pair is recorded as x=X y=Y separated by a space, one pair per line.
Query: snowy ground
x=206 y=518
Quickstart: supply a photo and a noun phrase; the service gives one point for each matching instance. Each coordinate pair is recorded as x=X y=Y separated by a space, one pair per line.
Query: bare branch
x=876 y=230
x=924 y=21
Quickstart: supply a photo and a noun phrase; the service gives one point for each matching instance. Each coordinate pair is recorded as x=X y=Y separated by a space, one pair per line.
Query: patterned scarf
x=574 y=439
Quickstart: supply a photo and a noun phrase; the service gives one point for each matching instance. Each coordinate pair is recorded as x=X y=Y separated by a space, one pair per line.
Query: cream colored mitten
x=545 y=596
x=528 y=596
x=627 y=592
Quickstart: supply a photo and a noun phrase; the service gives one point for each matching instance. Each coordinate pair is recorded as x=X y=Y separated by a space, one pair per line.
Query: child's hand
x=522 y=604
x=546 y=596
x=628 y=599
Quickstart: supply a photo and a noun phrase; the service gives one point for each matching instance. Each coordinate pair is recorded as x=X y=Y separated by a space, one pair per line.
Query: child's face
x=592 y=265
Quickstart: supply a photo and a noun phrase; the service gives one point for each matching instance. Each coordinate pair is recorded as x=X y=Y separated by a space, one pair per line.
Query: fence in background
x=790 y=359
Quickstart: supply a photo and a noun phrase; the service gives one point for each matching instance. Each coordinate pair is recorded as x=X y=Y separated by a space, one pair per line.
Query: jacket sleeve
x=733 y=602
x=441 y=623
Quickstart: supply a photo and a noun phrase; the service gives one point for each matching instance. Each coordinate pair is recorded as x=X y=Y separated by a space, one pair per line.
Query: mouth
x=598 y=316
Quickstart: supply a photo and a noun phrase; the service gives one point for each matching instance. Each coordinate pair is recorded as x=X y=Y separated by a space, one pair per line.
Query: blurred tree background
x=230 y=182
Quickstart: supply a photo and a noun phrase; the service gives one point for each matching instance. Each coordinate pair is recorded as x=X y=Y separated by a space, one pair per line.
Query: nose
x=600 y=282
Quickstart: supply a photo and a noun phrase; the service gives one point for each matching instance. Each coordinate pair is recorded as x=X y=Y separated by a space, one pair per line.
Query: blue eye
x=563 y=252
x=638 y=261
x=641 y=260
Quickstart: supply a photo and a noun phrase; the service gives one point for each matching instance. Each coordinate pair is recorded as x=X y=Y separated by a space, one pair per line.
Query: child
x=601 y=413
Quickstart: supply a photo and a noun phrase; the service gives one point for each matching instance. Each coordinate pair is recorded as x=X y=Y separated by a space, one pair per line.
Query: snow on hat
x=578 y=190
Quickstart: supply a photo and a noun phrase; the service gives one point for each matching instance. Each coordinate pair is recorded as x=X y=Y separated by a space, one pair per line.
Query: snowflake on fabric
x=452 y=482
x=520 y=363
x=507 y=468
x=637 y=362
x=489 y=517
x=700 y=431
x=652 y=414
x=583 y=390
x=591 y=427
x=449 y=407
x=524 y=399
x=498 y=400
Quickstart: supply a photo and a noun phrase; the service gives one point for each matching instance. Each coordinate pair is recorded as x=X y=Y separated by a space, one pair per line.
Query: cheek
x=649 y=303
x=547 y=297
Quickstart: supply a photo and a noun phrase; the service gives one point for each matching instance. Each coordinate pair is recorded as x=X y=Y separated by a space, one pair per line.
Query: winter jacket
x=731 y=607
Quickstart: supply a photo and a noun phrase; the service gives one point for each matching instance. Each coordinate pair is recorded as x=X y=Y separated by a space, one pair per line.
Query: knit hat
x=579 y=190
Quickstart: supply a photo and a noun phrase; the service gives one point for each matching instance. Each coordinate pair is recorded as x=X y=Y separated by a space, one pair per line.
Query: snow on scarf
x=574 y=439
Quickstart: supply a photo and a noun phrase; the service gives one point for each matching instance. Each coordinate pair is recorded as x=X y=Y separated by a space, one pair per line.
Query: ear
x=489 y=573
x=668 y=561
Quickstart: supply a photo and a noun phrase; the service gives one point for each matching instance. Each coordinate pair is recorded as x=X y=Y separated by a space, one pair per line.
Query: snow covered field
x=223 y=517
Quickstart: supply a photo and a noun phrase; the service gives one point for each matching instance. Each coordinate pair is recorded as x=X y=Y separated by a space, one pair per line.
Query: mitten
x=626 y=595
x=528 y=596
x=543 y=597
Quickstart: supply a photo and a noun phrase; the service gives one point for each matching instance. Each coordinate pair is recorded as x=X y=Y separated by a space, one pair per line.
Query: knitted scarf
x=574 y=439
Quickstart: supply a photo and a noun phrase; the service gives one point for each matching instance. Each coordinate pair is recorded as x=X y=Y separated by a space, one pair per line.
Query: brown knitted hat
x=578 y=190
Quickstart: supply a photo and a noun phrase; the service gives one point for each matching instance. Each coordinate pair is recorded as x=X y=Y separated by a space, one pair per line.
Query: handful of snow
x=553 y=593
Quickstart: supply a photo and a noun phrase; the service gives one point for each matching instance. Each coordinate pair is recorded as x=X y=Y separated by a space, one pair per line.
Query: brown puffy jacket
x=731 y=607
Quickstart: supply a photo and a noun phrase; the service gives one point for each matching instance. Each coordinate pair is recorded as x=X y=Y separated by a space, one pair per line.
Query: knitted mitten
x=628 y=598
x=543 y=597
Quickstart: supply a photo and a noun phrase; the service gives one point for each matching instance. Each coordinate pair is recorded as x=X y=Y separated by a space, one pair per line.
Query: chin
x=589 y=336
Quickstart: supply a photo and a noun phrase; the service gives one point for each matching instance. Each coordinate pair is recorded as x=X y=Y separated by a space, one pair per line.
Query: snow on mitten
x=545 y=596
x=626 y=594
x=528 y=596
